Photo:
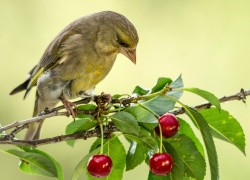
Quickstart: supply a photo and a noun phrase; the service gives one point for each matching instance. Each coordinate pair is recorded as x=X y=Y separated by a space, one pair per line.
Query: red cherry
x=169 y=125
x=161 y=164
x=99 y=165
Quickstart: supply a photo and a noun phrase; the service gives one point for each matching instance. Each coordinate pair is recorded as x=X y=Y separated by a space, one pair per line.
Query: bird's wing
x=55 y=54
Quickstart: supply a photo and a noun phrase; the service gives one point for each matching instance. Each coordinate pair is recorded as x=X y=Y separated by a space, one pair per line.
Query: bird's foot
x=70 y=107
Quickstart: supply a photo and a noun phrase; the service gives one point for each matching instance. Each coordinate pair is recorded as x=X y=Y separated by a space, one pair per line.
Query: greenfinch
x=79 y=57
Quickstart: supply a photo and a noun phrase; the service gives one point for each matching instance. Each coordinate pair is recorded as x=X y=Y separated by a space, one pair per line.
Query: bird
x=76 y=60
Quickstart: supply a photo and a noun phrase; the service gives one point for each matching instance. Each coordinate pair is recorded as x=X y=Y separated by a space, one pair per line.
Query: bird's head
x=118 y=35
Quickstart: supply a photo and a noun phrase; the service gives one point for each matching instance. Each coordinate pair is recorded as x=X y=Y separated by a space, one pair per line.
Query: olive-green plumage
x=78 y=59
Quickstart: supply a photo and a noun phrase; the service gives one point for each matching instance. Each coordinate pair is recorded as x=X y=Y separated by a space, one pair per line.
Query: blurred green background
x=207 y=41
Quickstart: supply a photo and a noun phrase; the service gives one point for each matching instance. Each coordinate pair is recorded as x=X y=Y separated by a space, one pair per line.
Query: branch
x=45 y=114
x=110 y=128
x=240 y=96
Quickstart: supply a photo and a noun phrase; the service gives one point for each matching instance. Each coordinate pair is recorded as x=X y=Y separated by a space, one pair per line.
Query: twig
x=45 y=114
x=31 y=120
x=110 y=128
x=9 y=139
x=241 y=96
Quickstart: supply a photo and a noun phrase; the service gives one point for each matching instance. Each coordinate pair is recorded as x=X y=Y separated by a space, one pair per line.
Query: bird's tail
x=21 y=87
x=34 y=129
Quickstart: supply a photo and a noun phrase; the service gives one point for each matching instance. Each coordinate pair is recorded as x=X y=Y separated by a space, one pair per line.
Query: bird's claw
x=70 y=107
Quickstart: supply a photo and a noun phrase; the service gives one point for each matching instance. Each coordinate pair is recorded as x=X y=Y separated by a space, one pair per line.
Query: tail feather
x=24 y=85
x=34 y=129
x=21 y=87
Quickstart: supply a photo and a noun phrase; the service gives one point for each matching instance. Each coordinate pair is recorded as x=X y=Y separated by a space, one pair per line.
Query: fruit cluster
x=100 y=165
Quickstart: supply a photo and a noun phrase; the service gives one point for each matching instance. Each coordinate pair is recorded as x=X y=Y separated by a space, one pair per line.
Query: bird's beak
x=129 y=53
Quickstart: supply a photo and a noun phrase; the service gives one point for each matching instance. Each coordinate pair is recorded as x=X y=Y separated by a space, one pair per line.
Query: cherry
x=99 y=165
x=161 y=164
x=169 y=125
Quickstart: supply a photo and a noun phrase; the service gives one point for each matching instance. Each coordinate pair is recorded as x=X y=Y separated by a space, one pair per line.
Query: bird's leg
x=69 y=106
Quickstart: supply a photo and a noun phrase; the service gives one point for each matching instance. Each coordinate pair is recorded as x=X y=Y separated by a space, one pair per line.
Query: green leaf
x=37 y=162
x=96 y=144
x=187 y=130
x=86 y=107
x=160 y=104
x=161 y=83
x=56 y=163
x=206 y=95
x=225 y=127
x=140 y=91
x=136 y=155
x=82 y=165
x=80 y=124
x=178 y=83
x=204 y=128
x=152 y=176
x=125 y=122
x=178 y=166
x=145 y=138
x=83 y=124
x=187 y=159
x=144 y=117
x=117 y=153
x=116 y=96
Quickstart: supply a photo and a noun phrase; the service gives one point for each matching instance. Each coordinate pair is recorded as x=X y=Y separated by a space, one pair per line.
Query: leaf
x=37 y=162
x=161 y=83
x=116 y=96
x=80 y=124
x=136 y=155
x=178 y=166
x=160 y=104
x=86 y=107
x=83 y=124
x=187 y=159
x=144 y=117
x=56 y=163
x=204 y=128
x=163 y=104
x=96 y=144
x=140 y=91
x=144 y=138
x=117 y=152
x=187 y=130
x=152 y=176
x=125 y=122
x=82 y=165
x=206 y=95
x=225 y=127
x=178 y=83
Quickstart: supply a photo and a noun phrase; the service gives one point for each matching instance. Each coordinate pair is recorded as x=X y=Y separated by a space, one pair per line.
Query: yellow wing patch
x=35 y=77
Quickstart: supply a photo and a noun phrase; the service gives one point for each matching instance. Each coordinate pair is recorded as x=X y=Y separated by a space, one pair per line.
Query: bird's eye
x=122 y=43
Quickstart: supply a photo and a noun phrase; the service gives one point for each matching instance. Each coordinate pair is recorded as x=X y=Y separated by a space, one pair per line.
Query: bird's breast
x=91 y=74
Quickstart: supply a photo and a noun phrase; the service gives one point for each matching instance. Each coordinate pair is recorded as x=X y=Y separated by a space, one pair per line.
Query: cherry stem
x=101 y=128
x=160 y=147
